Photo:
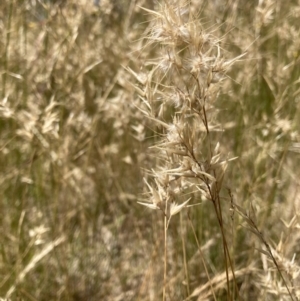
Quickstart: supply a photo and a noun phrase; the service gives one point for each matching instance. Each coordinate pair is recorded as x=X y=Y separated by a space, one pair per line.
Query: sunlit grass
x=94 y=101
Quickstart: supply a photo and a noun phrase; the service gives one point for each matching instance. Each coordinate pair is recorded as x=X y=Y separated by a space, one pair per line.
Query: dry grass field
x=150 y=150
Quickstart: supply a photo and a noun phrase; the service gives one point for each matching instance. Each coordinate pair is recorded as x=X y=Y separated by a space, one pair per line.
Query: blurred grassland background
x=75 y=148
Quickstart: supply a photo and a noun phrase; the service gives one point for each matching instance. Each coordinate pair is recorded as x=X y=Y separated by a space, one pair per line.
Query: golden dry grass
x=105 y=107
